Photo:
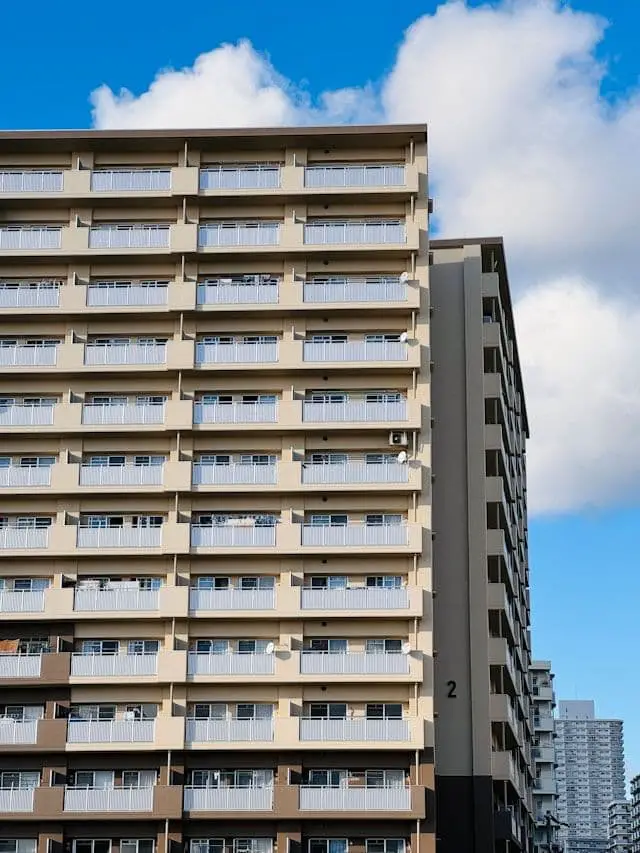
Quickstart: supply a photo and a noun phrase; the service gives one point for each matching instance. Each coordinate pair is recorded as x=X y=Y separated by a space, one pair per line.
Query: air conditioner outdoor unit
x=398 y=439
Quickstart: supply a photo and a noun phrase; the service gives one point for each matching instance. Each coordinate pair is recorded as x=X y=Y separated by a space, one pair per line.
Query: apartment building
x=590 y=774
x=545 y=786
x=619 y=827
x=634 y=833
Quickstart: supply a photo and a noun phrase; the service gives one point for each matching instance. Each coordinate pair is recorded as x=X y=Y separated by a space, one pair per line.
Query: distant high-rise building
x=635 y=815
x=619 y=827
x=590 y=774
x=545 y=786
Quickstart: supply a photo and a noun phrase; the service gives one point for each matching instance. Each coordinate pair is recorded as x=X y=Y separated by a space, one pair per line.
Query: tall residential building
x=619 y=827
x=482 y=642
x=545 y=787
x=590 y=773
x=219 y=430
x=635 y=815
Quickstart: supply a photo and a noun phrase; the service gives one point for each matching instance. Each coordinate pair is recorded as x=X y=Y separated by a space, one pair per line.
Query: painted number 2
x=451 y=690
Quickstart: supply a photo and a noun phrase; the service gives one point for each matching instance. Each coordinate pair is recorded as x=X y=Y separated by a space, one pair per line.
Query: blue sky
x=584 y=558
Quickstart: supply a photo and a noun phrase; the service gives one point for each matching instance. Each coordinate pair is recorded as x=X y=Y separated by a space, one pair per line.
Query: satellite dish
x=404 y=337
x=404 y=277
x=406 y=648
x=270 y=648
x=402 y=457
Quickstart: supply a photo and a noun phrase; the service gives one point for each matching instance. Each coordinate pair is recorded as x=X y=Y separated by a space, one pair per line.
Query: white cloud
x=521 y=144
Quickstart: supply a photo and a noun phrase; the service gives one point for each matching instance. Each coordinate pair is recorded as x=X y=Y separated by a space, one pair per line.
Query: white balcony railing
x=16 y=799
x=355 y=290
x=355 y=598
x=234 y=474
x=133 y=294
x=148 y=413
x=352 y=175
x=121 y=475
x=97 y=354
x=229 y=730
x=230 y=664
x=233 y=537
x=354 y=729
x=354 y=535
x=130 y=180
x=17 y=476
x=354 y=233
x=355 y=351
x=28 y=356
x=18 y=731
x=232 y=599
x=355 y=472
x=236 y=353
x=235 y=413
x=24 y=537
x=129 y=236
x=314 y=798
x=20 y=666
x=22 y=601
x=355 y=411
x=31 y=181
x=259 y=176
x=110 y=731
x=110 y=666
x=20 y=415
x=119 y=537
x=353 y=663
x=116 y=599
x=239 y=234
x=36 y=237
x=237 y=293
x=232 y=799
x=29 y=297
x=108 y=799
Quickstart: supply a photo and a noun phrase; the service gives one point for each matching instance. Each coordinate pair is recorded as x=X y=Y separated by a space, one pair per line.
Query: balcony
x=234 y=474
x=20 y=666
x=229 y=664
x=22 y=601
x=236 y=353
x=108 y=799
x=235 y=413
x=111 y=666
x=31 y=181
x=355 y=290
x=19 y=415
x=355 y=351
x=28 y=356
x=14 y=732
x=229 y=731
x=21 y=476
x=121 y=475
x=134 y=354
x=219 y=234
x=354 y=233
x=545 y=786
x=316 y=798
x=223 y=536
x=129 y=236
x=119 y=537
x=354 y=729
x=355 y=598
x=354 y=471
x=353 y=663
x=543 y=723
x=29 y=238
x=258 y=176
x=354 y=411
x=131 y=295
x=110 y=731
x=233 y=799
x=134 y=180
x=16 y=799
x=237 y=293
x=29 y=297
x=231 y=599
x=94 y=415
x=354 y=535
x=119 y=597
x=24 y=538
x=360 y=175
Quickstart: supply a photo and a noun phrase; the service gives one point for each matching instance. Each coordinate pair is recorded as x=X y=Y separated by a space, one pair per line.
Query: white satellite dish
x=404 y=337
x=406 y=648
x=404 y=277
x=270 y=648
x=402 y=457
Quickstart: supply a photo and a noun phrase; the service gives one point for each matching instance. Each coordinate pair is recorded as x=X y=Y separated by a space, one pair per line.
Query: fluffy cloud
x=523 y=144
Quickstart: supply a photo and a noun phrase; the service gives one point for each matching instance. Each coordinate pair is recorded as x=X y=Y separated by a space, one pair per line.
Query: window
x=208 y=583
x=151 y=400
x=21 y=713
x=137 y=845
x=30 y=584
x=328 y=339
x=259 y=399
x=206 y=845
x=33 y=645
x=146 y=521
x=257 y=459
x=147 y=461
x=328 y=458
x=384 y=711
x=252 y=711
x=328 y=397
x=19 y=779
x=37 y=461
x=100 y=647
x=383 y=397
x=328 y=520
x=145 y=711
x=384 y=581
x=335 y=647
x=385 y=845
x=252 y=845
x=260 y=339
x=19 y=845
x=93 y=712
x=252 y=647
x=327 y=778
x=212 y=647
x=382 y=338
x=327 y=582
x=374 y=647
x=327 y=711
x=328 y=845
x=214 y=459
x=384 y=778
x=210 y=711
x=91 y=845
x=142 y=647
x=383 y=519
x=255 y=583
x=138 y=778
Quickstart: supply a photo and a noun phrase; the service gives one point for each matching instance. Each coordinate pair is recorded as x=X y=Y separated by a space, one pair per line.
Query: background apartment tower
x=590 y=773
x=635 y=815
x=482 y=650
x=619 y=827
x=545 y=786
x=216 y=608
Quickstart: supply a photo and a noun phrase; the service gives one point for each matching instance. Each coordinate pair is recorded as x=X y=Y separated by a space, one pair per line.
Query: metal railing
x=350 y=535
x=354 y=233
x=121 y=475
x=355 y=175
x=229 y=730
x=232 y=599
x=355 y=351
x=235 y=413
x=110 y=731
x=25 y=475
x=236 y=353
x=28 y=356
x=148 y=413
x=230 y=664
x=16 y=799
x=24 y=537
x=354 y=729
x=108 y=666
x=254 y=177
x=20 y=415
x=29 y=297
x=129 y=236
x=355 y=290
x=237 y=294
x=44 y=237
x=130 y=180
x=222 y=536
x=235 y=473
x=125 y=354
x=353 y=663
x=355 y=598
x=228 y=799
x=18 y=731
x=356 y=411
x=119 y=537
x=237 y=234
x=20 y=666
x=108 y=799
x=318 y=798
x=355 y=472
x=134 y=294
x=21 y=601
x=116 y=599
x=31 y=181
